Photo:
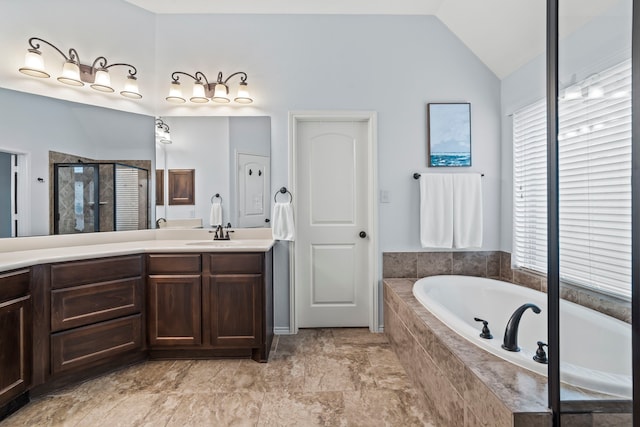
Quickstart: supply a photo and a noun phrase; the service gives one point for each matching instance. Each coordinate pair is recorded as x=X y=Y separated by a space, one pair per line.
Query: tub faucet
x=510 y=342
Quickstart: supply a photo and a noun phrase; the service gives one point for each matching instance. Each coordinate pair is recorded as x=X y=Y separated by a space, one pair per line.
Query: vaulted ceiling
x=504 y=34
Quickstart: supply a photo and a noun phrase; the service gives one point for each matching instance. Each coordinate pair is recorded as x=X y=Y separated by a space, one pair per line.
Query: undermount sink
x=218 y=243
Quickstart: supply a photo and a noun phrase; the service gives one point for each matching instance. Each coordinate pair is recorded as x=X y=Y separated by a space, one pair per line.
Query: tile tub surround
x=462 y=385
x=322 y=377
x=495 y=265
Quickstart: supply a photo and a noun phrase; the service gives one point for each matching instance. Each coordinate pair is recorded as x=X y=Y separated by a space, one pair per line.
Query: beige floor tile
x=328 y=377
x=302 y=409
x=383 y=408
x=217 y=409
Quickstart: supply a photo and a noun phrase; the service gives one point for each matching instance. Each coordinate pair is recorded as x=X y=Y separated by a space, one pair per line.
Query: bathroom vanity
x=210 y=304
x=94 y=308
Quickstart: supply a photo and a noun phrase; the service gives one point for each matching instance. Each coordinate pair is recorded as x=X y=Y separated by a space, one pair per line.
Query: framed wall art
x=449 y=134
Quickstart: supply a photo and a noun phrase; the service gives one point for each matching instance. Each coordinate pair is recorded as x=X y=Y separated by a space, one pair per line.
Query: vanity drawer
x=87 y=304
x=76 y=273
x=236 y=263
x=89 y=345
x=14 y=284
x=174 y=264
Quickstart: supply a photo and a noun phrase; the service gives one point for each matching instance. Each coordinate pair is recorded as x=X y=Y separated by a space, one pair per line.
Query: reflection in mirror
x=36 y=126
x=7 y=195
x=98 y=195
x=231 y=157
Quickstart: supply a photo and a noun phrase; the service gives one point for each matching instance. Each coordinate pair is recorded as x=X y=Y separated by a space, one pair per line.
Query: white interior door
x=333 y=193
x=253 y=199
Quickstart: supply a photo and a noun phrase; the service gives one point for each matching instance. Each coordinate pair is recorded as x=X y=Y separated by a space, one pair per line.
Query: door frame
x=23 y=189
x=370 y=118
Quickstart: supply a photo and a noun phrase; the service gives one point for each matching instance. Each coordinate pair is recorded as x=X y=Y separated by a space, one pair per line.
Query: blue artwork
x=449 y=132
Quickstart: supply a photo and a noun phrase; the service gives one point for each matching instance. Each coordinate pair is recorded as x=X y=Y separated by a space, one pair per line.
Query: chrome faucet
x=510 y=342
x=158 y=222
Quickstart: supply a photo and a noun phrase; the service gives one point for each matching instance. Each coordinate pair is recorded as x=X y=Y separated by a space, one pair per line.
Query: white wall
x=393 y=65
x=114 y=29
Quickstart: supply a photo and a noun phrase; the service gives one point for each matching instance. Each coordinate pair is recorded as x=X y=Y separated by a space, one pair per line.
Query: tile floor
x=328 y=377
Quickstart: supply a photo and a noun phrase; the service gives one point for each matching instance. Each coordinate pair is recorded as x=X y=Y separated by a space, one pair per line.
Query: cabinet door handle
x=363 y=234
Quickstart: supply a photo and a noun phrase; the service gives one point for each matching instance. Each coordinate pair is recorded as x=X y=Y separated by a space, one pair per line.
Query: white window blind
x=594 y=179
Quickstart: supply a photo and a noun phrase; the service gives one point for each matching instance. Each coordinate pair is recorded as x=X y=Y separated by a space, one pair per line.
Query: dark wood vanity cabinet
x=224 y=310
x=15 y=335
x=96 y=312
x=233 y=294
x=174 y=300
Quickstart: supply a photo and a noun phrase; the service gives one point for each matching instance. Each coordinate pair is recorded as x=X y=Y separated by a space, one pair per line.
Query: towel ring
x=217 y=196
x=283 y=190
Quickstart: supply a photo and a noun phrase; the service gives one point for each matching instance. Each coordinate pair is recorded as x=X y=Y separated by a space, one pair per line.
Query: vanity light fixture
x=75 y=73
x=202 y=91
x=162 y=132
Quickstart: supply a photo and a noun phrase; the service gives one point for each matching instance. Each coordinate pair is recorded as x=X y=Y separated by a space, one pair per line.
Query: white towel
x=282 y=221
x=215 y=216
x=467 y=210
x=436 y=210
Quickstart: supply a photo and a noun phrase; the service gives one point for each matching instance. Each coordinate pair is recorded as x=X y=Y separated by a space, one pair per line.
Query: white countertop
x=27 y=251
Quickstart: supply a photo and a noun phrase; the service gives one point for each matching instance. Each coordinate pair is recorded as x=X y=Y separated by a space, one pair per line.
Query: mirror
x=230 y=159
x=35 y=126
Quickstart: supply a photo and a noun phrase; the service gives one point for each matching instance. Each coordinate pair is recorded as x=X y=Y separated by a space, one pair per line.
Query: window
x=594 y=179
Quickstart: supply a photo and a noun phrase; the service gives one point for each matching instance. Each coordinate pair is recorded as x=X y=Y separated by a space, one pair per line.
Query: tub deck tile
x=458 y=378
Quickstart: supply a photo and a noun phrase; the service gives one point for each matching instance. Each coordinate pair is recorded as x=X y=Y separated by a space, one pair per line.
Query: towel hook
x=283 y=190
x=217 y=196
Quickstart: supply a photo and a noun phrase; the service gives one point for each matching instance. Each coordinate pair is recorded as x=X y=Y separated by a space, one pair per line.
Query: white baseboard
x=281 y=330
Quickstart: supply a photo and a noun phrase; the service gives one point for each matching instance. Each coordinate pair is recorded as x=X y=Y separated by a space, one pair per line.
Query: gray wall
x=5 y=195
x=393 y=65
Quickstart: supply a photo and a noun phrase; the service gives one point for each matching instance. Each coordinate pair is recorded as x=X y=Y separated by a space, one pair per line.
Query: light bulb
x=131 y=88
x=70 y=74
x=34 y=64
x=102 y=82
x=175 y=93
x=220 y=93
x=199 y=95
x=243 y=96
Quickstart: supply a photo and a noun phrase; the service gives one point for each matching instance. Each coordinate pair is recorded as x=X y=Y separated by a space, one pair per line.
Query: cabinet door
x=235 y=302
x=174 y=311
x=15 y=348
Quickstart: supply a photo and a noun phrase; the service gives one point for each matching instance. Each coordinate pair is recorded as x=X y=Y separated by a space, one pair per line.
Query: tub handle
x=486 y=333
x=541 y=356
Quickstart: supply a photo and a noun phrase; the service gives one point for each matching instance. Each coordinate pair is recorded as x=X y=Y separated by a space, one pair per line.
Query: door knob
x=363 y=234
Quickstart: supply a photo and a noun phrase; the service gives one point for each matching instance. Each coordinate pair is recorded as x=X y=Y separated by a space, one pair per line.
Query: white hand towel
x=436 y=210
x=215 y=216
x=467 y=210
x=282 y=224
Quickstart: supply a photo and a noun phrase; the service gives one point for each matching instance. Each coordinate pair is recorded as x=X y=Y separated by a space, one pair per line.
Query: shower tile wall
x=106 y=224
x=106 y=197
x=494 y=265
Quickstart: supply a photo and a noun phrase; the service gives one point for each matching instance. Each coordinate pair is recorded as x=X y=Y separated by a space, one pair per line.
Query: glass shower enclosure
x=92 y=197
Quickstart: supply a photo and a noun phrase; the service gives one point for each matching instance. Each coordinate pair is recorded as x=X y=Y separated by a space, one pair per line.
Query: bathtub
x=595 y=349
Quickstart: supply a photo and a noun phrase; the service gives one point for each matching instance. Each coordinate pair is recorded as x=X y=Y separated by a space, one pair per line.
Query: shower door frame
x=96 y=195
x=556 y=404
